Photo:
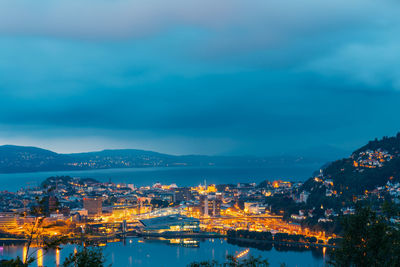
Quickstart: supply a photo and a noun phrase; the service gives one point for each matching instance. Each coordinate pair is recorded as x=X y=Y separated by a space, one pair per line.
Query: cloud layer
x=259 y=77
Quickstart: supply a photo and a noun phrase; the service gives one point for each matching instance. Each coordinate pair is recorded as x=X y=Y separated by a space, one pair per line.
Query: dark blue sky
x=212 y=77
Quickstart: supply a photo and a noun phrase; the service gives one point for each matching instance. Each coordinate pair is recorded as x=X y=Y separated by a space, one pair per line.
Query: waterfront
x=137 y=251
x=182 y=176
x=144 y=252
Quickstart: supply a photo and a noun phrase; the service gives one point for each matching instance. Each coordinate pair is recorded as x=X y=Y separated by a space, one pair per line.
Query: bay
x=182 y=176
x=154 y=253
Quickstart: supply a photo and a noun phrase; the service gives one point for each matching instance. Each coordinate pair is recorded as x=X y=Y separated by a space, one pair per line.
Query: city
x=199 y=133
x=105 y=210
x=279 y=214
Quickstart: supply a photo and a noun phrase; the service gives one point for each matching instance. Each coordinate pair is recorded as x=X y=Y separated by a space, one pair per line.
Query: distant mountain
x=30 y=159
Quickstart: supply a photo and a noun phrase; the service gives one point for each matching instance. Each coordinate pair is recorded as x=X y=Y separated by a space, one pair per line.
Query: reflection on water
x=57 y=257
x=25 y=250
x=178 y=252
x=39 y=257
x=184 y=242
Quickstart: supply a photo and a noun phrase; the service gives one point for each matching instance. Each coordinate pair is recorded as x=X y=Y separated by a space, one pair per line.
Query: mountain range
x=15 y=159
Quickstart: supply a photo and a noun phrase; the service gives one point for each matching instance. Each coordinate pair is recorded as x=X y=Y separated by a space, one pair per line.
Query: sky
x=227 y=77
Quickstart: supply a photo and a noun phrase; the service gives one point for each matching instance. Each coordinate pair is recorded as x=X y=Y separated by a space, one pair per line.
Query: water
x=182 y=176
x=137 y=252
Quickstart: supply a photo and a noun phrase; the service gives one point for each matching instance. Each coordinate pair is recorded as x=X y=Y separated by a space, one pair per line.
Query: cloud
x=369 y=66
x=218 y=76
x=137 y=19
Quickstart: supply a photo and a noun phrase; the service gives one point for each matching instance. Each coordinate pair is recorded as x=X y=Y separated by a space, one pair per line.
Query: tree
x=368 y=240
x=232 y=261
x=86 y=257
x=36 y=235
x=390 y=209
x=17 y=262
x=212 y=263
x=254 y=262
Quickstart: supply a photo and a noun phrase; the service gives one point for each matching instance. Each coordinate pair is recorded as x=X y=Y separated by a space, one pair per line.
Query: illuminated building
x=124 y=210
x=281 y=184
x=211 y=188
x=93 y=205
x=182 y=194
x=253 y=207
x=210 y=205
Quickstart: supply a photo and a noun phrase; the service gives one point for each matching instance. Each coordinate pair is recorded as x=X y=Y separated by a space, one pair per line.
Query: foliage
x=390 y=144
x=35 y=234
x=17 y=262
x=349 y=181
x=368 y=240
x=350 y=185
x=232 y=261
x=86 y=257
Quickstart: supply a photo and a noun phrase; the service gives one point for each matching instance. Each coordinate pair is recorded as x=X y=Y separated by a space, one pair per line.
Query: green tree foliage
x=35 y=235
x=17 y=262
x=86 y=257
x=390 y=209
x=368 y=240
x=232 y=261
x=350 y=181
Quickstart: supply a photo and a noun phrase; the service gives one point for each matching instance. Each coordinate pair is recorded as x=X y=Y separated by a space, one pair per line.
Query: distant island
x=17 y=159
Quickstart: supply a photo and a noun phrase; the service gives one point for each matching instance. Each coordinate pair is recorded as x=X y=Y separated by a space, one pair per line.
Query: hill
x=369 y=176
x=31 y=159
x=359 y=176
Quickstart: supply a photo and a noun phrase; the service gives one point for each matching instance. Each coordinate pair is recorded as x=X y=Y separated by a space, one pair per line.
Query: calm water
x=136 y=252
x=182 y=176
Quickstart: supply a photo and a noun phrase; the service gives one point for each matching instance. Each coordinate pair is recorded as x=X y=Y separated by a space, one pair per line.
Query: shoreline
x=176 y=236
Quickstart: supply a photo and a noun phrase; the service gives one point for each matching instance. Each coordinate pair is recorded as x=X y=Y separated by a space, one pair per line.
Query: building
x=182 y=194
x=281 y=184
x=210 y=205
x=298 y=217
x=122 y=211
x=304 y=196
x=170 y=223
x=93 y=205
x=50 y=204
x=254 y=208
